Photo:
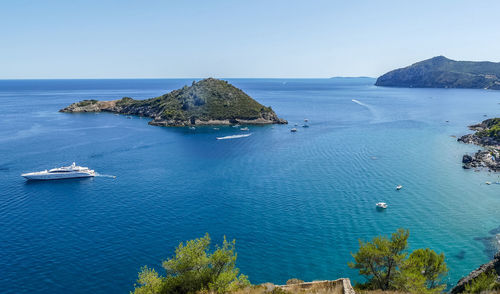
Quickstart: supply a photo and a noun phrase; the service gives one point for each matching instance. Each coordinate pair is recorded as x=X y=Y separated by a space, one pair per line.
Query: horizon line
x=184 y=78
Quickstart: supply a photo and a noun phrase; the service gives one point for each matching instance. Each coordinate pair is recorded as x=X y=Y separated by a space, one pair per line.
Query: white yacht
x=65 y=172
x=293 y=130
x=382 y=205
x=399 y=187
x=244 y=129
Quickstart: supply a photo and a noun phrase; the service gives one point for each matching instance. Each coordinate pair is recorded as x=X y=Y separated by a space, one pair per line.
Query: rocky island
x=487 y=135
x=441 y=72
x=206 y=102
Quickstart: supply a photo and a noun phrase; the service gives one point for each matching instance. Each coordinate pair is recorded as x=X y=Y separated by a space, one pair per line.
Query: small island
x=441 y=72
x=206 y=102
x=487 y=135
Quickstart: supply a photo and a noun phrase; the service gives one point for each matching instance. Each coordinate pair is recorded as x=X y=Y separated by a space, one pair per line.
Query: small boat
x=236 y=126
x=381 y=205
x=233 y=137
x=65 y=172
x=488 y=183
x=296 y=124
x=129 y=117
x=244 y=129
x=306 y=120
x=399 y=187
x=293 y=130
x=216 y=129
x=192 y=128
x=305 y=126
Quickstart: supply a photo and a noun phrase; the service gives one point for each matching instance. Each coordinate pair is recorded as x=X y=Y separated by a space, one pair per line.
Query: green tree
x=380 y=259
x=194 y=268
x=484 y=282
x=428 y=268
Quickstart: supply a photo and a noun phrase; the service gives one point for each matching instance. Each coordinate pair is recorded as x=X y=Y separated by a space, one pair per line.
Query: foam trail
x=105 y=176
x=373 y=111
x=360 y=103
x=233 y=137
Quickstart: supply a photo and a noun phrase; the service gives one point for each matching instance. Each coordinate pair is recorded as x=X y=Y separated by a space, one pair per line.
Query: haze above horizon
x=232 y=39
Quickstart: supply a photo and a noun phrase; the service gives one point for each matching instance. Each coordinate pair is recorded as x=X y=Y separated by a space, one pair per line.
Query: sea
x=297 y=204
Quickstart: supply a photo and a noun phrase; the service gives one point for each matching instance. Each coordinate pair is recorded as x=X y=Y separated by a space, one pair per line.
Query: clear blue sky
x=128 y=39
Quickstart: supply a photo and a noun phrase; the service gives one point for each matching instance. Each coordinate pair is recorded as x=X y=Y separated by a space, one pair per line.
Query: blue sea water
x=296 y=203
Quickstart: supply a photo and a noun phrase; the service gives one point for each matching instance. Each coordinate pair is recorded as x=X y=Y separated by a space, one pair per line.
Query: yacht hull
x=46 y=177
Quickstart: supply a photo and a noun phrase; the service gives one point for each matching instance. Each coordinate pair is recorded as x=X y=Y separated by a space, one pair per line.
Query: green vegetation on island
x=441 y=72
x=385 y=262
x=207 y=102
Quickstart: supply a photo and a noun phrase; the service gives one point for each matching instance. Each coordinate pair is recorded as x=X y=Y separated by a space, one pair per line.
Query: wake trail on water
x=104 y=176
x=373 y=111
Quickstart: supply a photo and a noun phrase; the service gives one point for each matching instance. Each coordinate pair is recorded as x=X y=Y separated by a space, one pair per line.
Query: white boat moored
x=293 y=130
x=65 y=172
x=244 y=129
x=382 y=205
x=399 y=187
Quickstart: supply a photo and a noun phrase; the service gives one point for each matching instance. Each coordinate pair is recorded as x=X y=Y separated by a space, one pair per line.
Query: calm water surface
x=295 y=202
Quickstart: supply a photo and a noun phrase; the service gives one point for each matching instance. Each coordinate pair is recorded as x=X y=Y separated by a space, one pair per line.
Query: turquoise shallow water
x=295 y=202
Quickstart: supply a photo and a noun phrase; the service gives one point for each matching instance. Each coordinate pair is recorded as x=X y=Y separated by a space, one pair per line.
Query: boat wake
x=233 y=137
x=360 y=103
x=374 y=112
x=104 y=176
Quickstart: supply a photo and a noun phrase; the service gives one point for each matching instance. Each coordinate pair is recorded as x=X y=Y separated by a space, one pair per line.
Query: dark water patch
x=460 y=255
x=491 y=243
x=495 y=231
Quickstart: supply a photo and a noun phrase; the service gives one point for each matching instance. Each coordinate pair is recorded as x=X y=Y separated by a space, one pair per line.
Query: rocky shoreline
x=207 y=102
x=493 y=265
x=489 y=157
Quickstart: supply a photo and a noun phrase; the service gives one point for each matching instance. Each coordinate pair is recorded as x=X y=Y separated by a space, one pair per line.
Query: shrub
x=194 y=268
x=484 y=282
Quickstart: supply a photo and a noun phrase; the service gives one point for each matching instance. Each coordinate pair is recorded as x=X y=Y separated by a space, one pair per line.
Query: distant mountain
x=207 y=102
x=441 y=72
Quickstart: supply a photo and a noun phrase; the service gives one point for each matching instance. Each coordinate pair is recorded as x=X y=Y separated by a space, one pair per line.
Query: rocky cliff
x=493 y=265
x=207 y=102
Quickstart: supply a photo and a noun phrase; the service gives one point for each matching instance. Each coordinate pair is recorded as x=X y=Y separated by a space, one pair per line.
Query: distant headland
x=207 y=102
x=441 y=72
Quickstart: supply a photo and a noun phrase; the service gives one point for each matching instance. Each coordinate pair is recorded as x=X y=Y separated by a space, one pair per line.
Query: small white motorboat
x=488 y=183
x=192 y=128
x=381 y=205
x=244 y=129
x=305 y=126
x=399 y=187
x=293 y=130
x=236 y=126
x=216 y=129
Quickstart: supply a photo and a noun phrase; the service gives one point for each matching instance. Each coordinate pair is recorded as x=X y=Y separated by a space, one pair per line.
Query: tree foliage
x=379 y=259
x=194 y=268
x=387 y=266
x=483 y=283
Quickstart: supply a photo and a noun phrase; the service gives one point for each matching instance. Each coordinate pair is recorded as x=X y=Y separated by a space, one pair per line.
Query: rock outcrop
x=207 y=102
x=487 y=135
x=493 y=265
x=441 y=72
